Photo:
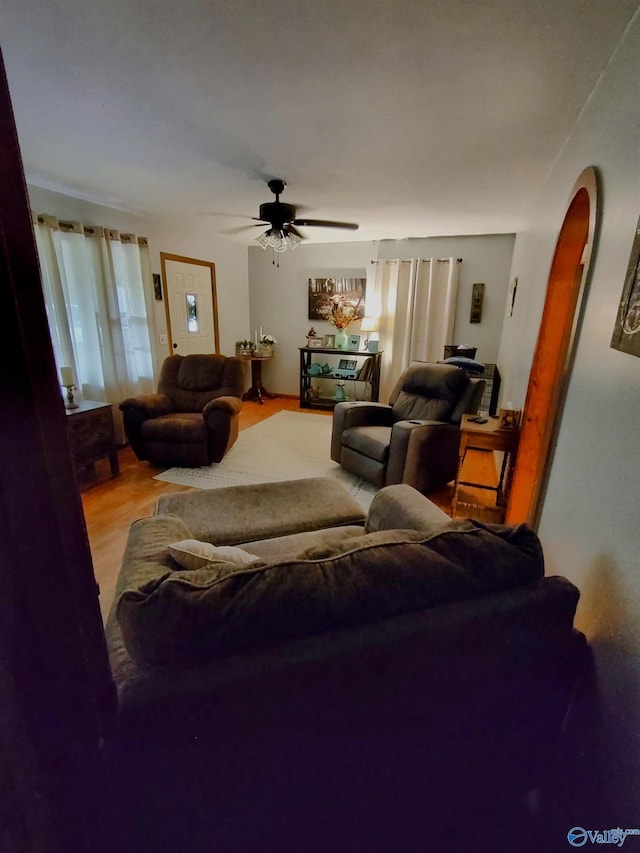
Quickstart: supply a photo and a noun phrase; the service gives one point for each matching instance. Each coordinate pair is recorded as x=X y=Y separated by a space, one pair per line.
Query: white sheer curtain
x=97 y=285
x=415 y=301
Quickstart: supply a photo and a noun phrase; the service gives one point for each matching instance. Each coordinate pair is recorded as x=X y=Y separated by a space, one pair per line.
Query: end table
x=91 y=435
x=257 y=390
x=489 y=437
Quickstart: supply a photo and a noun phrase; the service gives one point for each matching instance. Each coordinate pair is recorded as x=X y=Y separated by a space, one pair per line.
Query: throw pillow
x=468 y=364
x=191 y=554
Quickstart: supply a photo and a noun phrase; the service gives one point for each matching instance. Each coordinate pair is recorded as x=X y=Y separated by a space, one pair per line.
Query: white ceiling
x=411 y=117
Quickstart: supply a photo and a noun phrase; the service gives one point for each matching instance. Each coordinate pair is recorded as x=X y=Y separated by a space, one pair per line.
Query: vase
x=340 y=396
x=342 y=339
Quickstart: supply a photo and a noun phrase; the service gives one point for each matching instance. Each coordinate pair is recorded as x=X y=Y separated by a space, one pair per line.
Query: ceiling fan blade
x=325 y=223
x=291 y=229
x=237 y=230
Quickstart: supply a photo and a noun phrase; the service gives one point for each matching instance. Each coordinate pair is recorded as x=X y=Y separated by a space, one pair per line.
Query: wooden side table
x=91 y=435
x=489 y=437
x=257 y=390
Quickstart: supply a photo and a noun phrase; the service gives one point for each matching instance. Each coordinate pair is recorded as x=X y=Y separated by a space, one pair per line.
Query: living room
x=587 y=525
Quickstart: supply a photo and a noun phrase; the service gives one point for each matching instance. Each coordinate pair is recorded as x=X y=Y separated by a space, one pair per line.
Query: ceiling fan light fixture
x=279 y=241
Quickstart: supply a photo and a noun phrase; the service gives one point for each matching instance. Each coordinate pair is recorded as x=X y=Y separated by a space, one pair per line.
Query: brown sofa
x=366 y=674
x=193 y=419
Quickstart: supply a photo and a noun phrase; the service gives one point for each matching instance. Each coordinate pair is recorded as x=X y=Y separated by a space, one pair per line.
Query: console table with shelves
x=359 y=370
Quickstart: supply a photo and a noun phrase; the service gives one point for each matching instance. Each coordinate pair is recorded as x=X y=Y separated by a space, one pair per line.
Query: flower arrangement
x=268 y=340
x=341 y=313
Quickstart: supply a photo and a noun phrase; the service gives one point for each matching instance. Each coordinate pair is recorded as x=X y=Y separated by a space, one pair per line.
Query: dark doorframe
x=555 y=349
x=58 y=698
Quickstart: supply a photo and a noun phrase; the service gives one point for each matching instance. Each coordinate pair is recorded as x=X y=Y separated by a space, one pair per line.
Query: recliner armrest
x=227 y=391
x=411 y=442
x=152 y=405
x=230 y=405
x=364 y=414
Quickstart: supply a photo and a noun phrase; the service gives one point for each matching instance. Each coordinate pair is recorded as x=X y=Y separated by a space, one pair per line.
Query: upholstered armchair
x=193 y=419
x=415 y=438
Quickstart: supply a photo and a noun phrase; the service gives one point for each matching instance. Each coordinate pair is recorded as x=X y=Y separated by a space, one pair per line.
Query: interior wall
x=589 y=524
x=279 y=300
x=279 y=295
x=190 y=237
x=485 y=258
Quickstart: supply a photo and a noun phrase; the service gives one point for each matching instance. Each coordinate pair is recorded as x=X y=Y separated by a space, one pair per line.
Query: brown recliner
x=415 y=438
x=193 y=419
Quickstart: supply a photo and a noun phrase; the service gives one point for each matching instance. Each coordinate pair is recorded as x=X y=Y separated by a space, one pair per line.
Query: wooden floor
x=112 y=504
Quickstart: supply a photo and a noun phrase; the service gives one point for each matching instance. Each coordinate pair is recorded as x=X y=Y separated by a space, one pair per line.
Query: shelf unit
x=361 y=382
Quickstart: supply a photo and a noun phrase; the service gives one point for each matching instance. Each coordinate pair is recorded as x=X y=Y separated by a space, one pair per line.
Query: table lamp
x=370 y=324
x=66 y=375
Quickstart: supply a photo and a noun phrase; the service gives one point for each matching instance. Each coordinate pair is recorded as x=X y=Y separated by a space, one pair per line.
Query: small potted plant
x=245 y=347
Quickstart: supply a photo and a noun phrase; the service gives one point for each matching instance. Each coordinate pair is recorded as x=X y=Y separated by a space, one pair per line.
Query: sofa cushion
x=372 y=441
x=191 y=554
x=183 y=618
x=185 y=427
x=237 y=514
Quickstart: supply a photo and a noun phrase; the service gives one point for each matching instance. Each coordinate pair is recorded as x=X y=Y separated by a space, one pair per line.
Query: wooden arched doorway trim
x=553 y=356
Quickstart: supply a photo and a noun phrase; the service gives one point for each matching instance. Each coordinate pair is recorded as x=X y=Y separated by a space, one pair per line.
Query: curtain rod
x=422 y=260
x=70 y=227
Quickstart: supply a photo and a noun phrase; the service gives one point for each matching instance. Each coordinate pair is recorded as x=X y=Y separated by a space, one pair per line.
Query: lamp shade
x=66 y=375
x=278 y=240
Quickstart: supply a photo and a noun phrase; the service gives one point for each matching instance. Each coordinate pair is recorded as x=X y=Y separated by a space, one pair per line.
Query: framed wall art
x=626 y=331
x=157 y=286
x=327 y=291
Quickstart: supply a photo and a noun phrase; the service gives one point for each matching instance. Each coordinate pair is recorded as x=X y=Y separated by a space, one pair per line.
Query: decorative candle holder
x=69 y=402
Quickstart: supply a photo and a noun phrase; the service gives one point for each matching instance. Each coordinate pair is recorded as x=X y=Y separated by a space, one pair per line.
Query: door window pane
x=192 y=312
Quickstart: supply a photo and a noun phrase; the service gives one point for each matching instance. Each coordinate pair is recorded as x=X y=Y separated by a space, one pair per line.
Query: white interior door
x=190 y=303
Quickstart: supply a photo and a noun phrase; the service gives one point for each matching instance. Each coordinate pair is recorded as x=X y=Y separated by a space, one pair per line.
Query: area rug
x=286 y=446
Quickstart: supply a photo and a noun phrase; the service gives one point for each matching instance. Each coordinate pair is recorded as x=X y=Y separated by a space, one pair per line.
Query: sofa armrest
x=229 y=405
x=423 y=454
x=151 y=405
x=403 y=507
x=348 y=415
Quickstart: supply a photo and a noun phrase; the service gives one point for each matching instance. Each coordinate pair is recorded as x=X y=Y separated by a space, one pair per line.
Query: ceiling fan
x=283 y=233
